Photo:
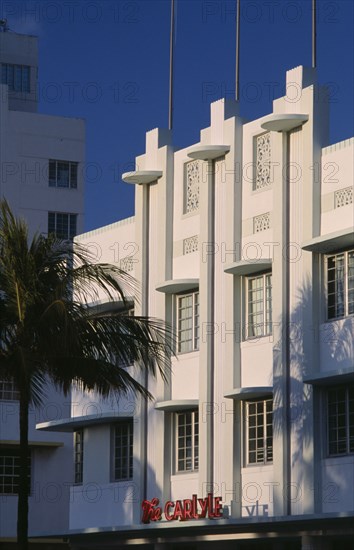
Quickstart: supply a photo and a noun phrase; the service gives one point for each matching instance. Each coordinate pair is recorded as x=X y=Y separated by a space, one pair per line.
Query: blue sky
x=108 y=60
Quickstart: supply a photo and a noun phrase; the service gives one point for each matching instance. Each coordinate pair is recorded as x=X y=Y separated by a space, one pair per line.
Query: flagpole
x=170 y=100
x=237 y=76
x=314 y=34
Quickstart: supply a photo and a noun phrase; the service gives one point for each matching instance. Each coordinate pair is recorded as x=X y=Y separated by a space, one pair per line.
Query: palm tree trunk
x=23 y=487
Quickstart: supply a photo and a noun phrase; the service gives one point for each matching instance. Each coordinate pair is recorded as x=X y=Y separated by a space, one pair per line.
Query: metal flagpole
x=170 y=100
x=237 y=79
x=314 y=34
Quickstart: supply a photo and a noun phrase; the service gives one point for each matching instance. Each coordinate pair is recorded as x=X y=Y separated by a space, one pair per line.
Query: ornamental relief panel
x=263 y=158
x=191 y=186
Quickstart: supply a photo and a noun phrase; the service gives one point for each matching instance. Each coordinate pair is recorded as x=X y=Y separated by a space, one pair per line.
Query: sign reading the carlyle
x=182 y=510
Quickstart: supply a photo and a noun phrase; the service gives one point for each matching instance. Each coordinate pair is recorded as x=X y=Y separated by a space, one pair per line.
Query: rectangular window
x=259 y=431
x=79 y=455
x=17 y=77
x=340 y=285
x=63 y=174
x=8 y=390
x=188 y=322
x=259 y=305
x=127 y=359
x=62 y=225
x=187 y=441
x=340 y=420
x=123 y=450
x=10 y=470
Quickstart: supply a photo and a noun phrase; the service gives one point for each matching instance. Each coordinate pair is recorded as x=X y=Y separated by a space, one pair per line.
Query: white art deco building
x=41 y=176
x=244 y=242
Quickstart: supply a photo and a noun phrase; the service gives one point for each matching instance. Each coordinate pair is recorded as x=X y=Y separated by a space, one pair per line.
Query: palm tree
x=48 y=332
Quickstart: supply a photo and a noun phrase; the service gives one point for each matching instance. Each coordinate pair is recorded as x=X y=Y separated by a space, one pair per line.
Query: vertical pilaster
x=154 y=240
x=280 y=323
x=231 y=332
x=207 y=405
x=314 y=136
x=141 y=235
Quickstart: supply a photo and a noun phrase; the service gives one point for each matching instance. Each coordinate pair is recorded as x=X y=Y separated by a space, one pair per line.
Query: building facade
x=41 y=176
x=42 y=157
x=244 y=243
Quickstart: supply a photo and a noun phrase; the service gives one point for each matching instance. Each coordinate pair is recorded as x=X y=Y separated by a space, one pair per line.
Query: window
x=79 y=455
x=17 y=77
x=8 y=390
x=10 y=470
x=340 y=420
x=340 y=285
x=126 y=359
x=188 y=322
x=63 y=174
x=187 y=441
x=123 y=450
x=259 y=305
x=62 y=225
x=259 y=431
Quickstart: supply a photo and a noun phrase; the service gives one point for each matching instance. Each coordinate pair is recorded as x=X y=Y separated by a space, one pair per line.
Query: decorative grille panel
x=191 y=244
x=263 y=155
x=261 y=223
x=126 y=264
x=343 y=197
x=192 y=181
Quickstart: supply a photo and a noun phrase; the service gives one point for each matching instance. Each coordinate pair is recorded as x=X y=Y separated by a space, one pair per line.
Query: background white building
x=244 y=242
x=41 y=156
x=41 y=167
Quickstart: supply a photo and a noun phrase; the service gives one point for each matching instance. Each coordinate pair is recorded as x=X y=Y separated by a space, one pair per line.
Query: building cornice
x=247 y=267
x=176 y=405
x=208 y=152
x=141 y=176
x=331 y=241
x=283 y=122
x=174 y=286
x=74 y=423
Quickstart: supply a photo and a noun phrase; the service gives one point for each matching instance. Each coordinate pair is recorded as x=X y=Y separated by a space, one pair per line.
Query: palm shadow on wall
x=312 y=344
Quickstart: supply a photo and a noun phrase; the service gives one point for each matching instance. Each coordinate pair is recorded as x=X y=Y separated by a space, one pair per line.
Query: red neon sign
x=182 y=510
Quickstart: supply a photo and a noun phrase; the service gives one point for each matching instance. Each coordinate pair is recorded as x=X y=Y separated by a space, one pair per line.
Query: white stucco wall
x=229 y=205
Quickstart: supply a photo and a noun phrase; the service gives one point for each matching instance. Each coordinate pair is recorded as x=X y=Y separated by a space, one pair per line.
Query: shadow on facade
x=312 y=347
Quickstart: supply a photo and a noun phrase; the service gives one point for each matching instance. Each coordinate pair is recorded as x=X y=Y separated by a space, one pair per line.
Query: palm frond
x=47 y=288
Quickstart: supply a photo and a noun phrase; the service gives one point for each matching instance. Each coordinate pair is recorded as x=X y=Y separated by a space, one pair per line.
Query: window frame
x=130 y=312
x=13 y=454
x=14 y=395
x=349 y=439
x=78 y=456
x=70 y=217
x=72 y=167
x=267 y=321
x=129 y=455
x=194 y=445
x=195 y=318
x=266 y=448
x=11 y=80
x=346 y=289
